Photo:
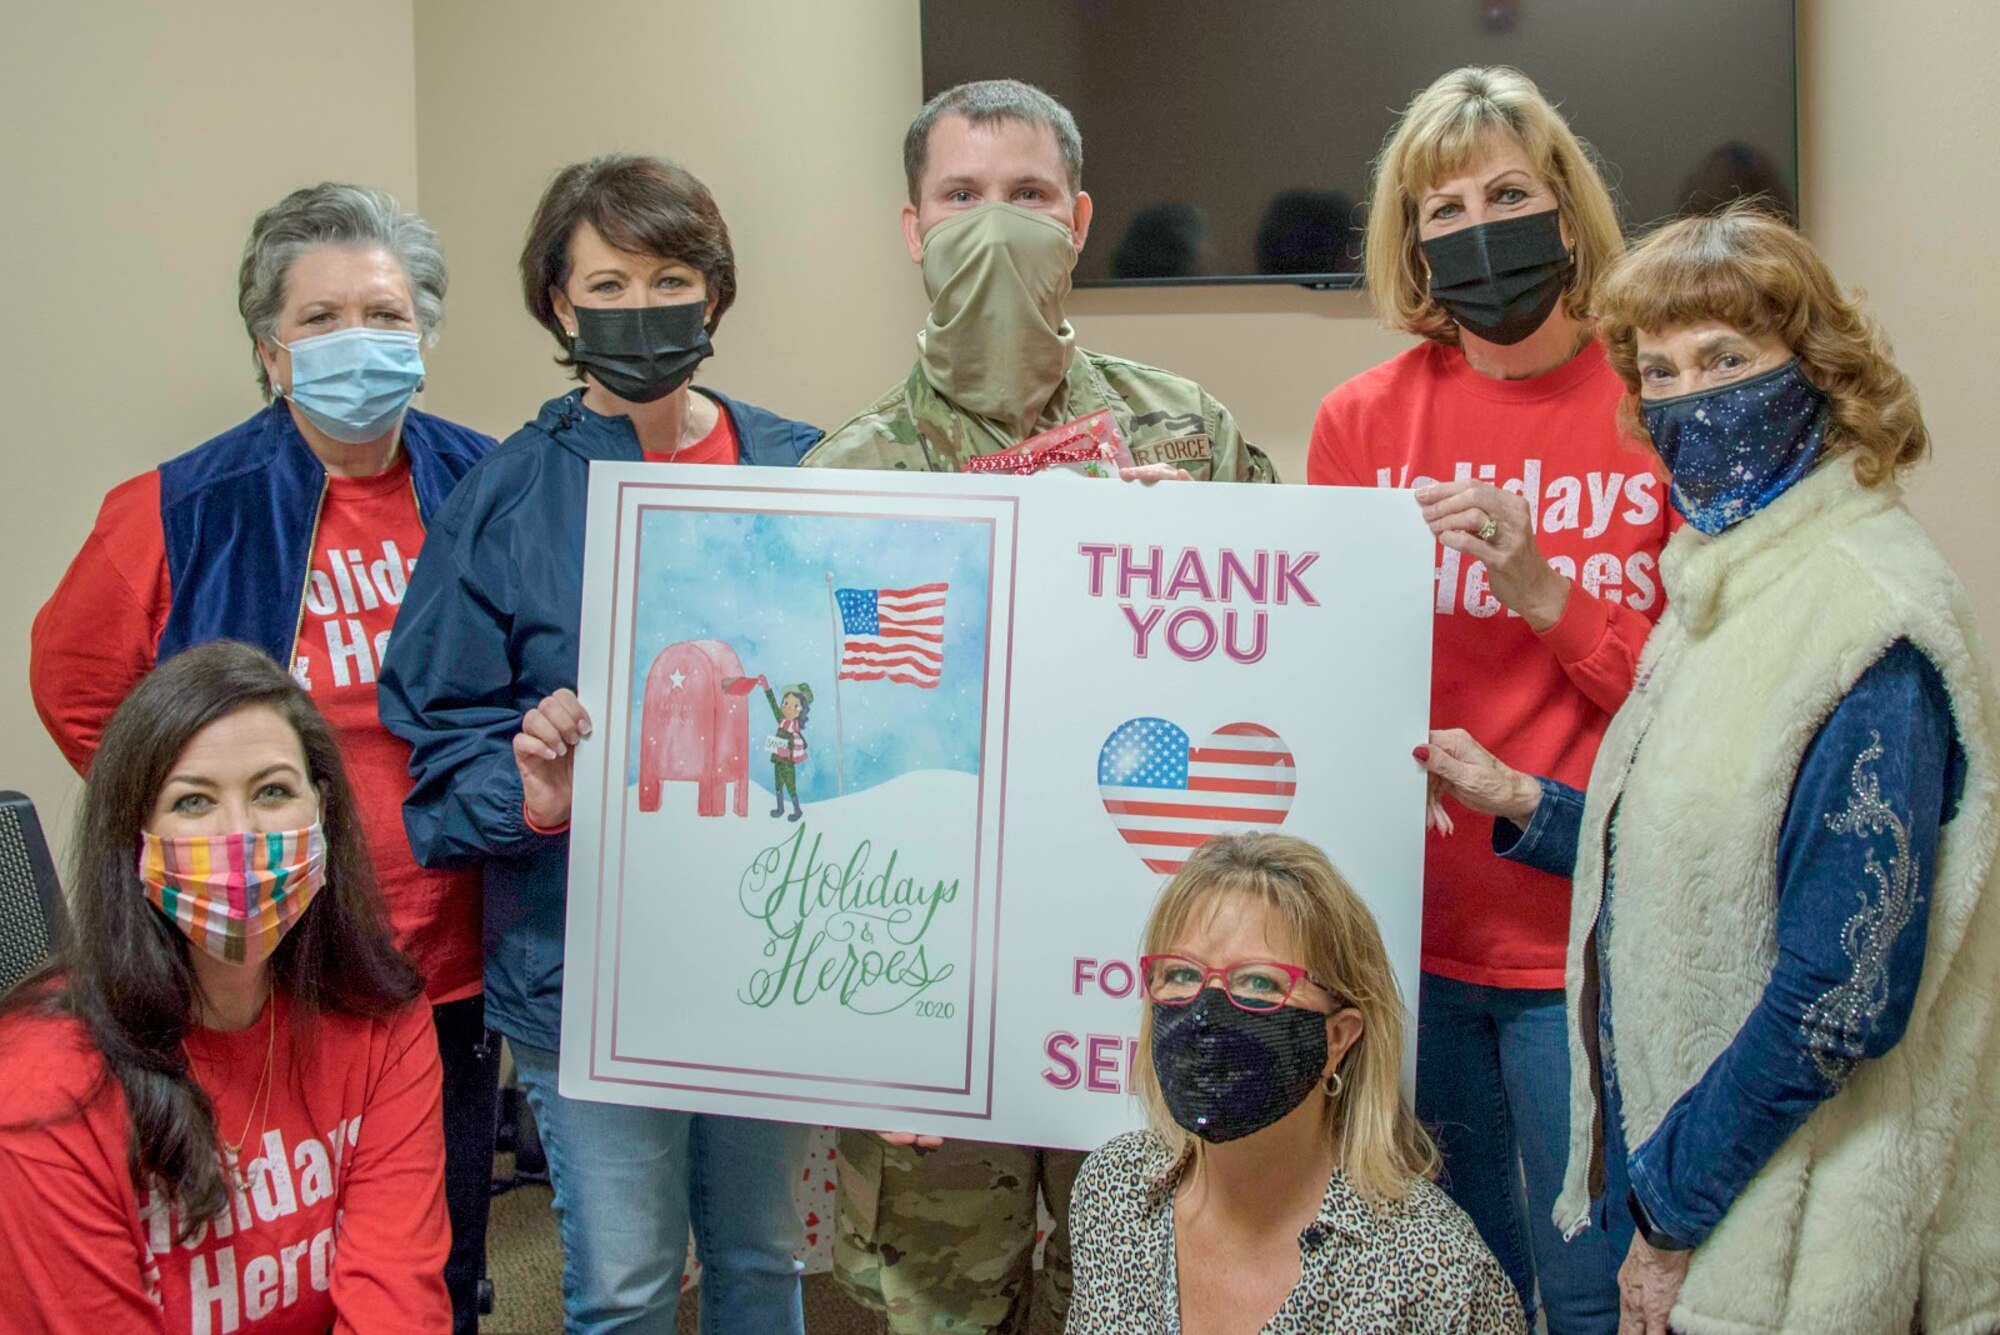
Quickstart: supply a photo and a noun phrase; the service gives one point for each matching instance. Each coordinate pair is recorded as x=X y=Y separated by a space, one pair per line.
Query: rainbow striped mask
x=234 y=895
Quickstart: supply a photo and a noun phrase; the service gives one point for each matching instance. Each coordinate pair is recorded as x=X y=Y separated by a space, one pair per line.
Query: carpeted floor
x=524 y=1261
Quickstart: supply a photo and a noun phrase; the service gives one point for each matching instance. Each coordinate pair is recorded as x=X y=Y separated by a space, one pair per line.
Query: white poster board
x=1029 y=698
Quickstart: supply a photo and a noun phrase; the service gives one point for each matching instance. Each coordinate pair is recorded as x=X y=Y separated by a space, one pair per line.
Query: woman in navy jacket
x=628 y=265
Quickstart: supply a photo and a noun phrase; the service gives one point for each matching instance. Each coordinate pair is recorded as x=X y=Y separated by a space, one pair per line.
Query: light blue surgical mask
x=356 y=383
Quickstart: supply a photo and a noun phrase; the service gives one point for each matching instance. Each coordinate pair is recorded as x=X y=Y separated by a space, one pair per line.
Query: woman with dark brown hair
x=220 y=1106
x=628 y=265
x=294 y=531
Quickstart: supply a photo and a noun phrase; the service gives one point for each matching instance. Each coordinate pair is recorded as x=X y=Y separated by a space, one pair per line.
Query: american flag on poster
x=1167 y=795
x=892 y=634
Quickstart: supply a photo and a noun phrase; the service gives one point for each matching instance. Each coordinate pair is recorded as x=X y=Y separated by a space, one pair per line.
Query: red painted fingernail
x=1422 y=753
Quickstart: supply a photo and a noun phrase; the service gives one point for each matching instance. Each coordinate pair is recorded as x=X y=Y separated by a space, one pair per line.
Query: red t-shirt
x=717 y=447
x=1539 y=702
x=366 y=544
x=342 y=1226
x=99 y=633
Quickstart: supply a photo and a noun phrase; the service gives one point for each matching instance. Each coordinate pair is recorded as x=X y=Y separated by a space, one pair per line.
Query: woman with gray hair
x=296 y=531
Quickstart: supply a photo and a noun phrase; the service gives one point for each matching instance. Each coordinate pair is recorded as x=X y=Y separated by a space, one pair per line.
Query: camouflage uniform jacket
x=1164 y=418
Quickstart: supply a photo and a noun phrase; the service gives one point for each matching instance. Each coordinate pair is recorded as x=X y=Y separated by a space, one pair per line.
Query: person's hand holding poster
x=1000 y=711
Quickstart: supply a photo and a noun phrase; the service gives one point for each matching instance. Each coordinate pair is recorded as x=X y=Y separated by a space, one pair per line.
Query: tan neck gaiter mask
x=996 y=343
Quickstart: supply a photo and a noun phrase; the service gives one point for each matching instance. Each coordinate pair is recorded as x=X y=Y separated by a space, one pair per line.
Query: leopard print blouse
x=1411 y=1268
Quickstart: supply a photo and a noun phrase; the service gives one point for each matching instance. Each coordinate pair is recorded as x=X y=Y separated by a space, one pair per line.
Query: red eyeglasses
x=1252 y=985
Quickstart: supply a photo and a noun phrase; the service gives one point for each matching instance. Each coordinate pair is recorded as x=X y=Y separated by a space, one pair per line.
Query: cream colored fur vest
x=1884 y=1208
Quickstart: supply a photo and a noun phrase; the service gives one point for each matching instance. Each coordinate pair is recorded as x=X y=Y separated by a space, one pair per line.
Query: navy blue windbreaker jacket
x=488 y=628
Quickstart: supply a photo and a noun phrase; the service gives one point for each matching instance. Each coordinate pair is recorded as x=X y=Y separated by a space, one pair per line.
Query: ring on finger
x=1491 y=527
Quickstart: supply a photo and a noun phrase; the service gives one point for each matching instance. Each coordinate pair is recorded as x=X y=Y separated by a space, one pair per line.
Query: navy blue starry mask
x=1226 y=1073
x=1735 y=449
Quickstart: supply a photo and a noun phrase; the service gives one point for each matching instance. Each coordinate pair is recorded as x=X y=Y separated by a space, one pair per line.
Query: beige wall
x=139 y=140
x=790 y=110
x=1900 y=138
x=142 y=167
x=793 y=111
x=800 y=137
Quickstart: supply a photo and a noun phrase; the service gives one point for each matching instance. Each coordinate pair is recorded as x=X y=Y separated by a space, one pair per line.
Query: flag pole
x=839 y=731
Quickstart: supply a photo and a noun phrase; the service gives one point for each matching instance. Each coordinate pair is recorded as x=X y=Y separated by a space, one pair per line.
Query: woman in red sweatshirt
x=296 y=531
x=1488 y=227
x=219 y=1106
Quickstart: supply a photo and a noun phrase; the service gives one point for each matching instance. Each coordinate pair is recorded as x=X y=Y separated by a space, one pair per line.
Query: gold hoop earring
x=1333 y=1084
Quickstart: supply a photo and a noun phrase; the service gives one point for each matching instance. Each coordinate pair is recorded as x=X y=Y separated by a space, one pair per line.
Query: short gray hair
x=983 y=103
x=331 y=214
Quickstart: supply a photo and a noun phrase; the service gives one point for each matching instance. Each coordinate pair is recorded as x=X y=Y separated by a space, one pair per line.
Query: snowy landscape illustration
x=883 y=621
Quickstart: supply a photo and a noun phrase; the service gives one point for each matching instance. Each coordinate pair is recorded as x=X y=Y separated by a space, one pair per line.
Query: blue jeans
x=1493 y=1087
x=628 y=1183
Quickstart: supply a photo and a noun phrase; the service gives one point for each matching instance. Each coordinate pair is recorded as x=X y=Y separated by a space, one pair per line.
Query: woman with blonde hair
x=1284 y=1178
x=1783 y=939
x=1489 y=233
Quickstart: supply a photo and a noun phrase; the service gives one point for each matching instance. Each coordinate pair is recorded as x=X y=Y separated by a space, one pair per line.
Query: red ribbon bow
x=1092 y=439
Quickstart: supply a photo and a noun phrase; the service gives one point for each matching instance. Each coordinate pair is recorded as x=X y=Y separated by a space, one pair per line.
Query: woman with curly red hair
x=1782 y=1019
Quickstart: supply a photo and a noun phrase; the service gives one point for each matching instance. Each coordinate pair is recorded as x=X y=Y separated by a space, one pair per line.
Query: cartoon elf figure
x=788 y=744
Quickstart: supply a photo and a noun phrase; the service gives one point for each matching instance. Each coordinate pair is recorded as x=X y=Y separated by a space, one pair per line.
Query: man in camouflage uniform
x=940 y=1236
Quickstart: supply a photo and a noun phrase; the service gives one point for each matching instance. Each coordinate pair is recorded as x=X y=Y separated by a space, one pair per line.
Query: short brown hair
x=1751 y=271
x=986 y=102
x=1381 y=1146
x=643 y=205
x=1444 y=130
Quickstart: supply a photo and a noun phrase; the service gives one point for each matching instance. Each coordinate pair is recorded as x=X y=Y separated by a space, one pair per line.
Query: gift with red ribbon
x=1090 y=446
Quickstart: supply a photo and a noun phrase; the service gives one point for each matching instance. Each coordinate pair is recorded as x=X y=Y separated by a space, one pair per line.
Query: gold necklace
x=688 y=423
x=262 y=1091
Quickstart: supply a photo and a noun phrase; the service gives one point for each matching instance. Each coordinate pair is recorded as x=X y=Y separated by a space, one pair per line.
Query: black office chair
x=32 y=918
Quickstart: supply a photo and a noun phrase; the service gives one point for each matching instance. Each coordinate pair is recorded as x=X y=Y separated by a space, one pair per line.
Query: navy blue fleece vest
x=238 y=515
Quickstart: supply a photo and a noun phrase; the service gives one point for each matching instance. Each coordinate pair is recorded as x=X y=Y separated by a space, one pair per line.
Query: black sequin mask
x=1735 y=449
x=1226 y=1072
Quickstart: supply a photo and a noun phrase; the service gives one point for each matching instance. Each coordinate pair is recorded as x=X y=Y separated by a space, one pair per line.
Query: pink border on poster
x=1012 y=504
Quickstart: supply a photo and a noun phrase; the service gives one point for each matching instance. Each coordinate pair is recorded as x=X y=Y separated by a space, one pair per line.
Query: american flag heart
x=1166 y=794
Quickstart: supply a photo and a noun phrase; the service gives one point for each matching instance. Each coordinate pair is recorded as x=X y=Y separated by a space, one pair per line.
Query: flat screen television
x=1230 y=141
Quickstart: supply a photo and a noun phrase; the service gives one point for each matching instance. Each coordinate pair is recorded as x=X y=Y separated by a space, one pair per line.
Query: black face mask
x=1226 y=1072
x=641 y=353
x=1501 y=279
